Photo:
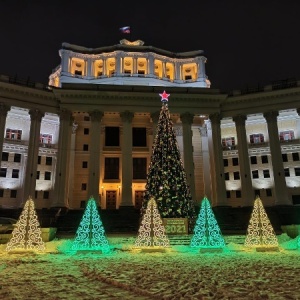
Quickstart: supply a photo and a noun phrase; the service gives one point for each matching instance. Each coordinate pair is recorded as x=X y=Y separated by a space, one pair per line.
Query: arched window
x=98 y=68
x=189 y=71
x=111 y=66
x=158 y=69
x=141 y=66
x=170 y=71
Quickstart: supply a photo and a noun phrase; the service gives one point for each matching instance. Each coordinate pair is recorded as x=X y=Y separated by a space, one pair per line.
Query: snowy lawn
x=236 y=273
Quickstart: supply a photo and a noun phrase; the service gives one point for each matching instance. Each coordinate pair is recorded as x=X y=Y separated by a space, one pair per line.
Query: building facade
x=90 y=132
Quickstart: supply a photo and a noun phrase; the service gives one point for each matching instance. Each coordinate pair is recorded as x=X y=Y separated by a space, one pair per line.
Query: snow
x=179 y=273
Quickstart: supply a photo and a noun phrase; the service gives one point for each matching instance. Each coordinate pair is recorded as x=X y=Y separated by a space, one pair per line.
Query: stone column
x=280 y=189
x=245 y=171
x=61 y=198
x=151 y=64
x=64 y=62
x=127 y=117
x=220 y=192
x=33 y=152
x=104 y=67
x=118 y=64
x=3 y=114
x=187 y=120
x=94 y=162
x=134 y=65
x=155 y=117
x=178 y=71
x=201 y=68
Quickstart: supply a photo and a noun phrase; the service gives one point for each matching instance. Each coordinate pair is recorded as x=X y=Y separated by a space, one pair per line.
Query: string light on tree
x=260 y=233
x=27 y=234
x=152 y=232
x=207 y=233
x=90 y=234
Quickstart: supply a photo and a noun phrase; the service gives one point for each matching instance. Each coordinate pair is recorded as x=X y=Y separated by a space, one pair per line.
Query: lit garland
x=151 y=231
x=260 y=232
x=90 y=234
x=27 y=234
x=207 y=233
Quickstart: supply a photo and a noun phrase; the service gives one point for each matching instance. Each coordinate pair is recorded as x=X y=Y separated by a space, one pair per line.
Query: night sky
x=246 y=43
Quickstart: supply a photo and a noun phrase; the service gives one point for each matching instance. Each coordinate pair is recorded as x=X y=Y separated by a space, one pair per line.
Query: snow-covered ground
x=236 y=273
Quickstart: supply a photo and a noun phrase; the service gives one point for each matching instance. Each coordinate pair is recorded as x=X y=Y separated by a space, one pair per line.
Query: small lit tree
x=260 y=232
x=27 y=234
x=207 y=233
x=152 y=232
x=90 y=234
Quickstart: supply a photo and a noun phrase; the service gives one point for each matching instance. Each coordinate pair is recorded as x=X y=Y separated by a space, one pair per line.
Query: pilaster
x=3 y=114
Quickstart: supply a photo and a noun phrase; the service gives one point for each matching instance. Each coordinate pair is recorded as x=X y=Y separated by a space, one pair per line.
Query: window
x=236 y=175
x=112 y=136
x=225 y=162
x=39 y=160
x=86 y=131
x=84 y=164
x=82 y=204
x=257 y=193
x=295 y=156
x=13 y=193
x=256 y=138
x=287 y=172
x=46 y=195
x=85 y=147
x=139 y=137
x=228 y=142
x=255 y=174
x=15 y=173
x=266 y=173
x=253 y=160
x=1 y=193
x=264 y=159
x=17 y=157
x=48 y=160
x=227 y=194
x=238 y=194
x=86 y=118
x=284 y=157
x=297 y=172
x=269 y=192
x=139 y=168
x=111 y=168
x=3 y=172
x=36 y=194
x=45 y=138
x=226 y=175
x=13 y=134
x=38 y=175
x=83 y=186
x=5 y=156
x=286 y=135
x=235 y=161
x=47 y=175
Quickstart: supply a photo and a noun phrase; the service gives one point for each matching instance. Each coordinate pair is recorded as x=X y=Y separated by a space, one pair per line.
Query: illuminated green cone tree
x=151 y=231
x=90 y=234
x=260 y=232
x=27 y=234
x=207 y=233
x=166 y=178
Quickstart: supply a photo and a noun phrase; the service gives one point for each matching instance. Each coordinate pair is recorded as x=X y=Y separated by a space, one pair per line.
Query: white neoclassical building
x=90 y=132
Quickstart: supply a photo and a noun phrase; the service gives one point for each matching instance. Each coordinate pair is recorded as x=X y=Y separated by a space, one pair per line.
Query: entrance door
x=111 y=199
x=139 y=196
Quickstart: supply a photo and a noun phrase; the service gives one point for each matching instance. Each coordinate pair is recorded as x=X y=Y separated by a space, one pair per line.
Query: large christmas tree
x=166 y=178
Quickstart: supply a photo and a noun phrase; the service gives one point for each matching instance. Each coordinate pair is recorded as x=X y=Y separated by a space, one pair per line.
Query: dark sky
x=246 y=42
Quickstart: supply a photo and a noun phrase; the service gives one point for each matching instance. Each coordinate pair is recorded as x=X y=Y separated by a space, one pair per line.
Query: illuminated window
x=5 y=156
x=158 y=68
x=45 y=138
x=3 y=172
x=189 y=71
x=13 y=134
x=112 y=136
x=77 y=66
x=266 y=173
x=286 y=135
x=139 y=168
x=15 y=173
x=170 y=71
x=98 y=68
x=142 y=66
x=13 y=193
x=236 y=175
x=255 y=174
x=128 y=65
x=228 y=142
x=47 y=175
x=111 y=66
x=256 y=138
x=17 y=157
x=111 y=170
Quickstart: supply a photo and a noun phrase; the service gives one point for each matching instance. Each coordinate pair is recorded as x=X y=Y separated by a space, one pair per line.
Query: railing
x=284 y=84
